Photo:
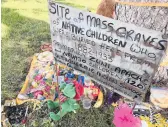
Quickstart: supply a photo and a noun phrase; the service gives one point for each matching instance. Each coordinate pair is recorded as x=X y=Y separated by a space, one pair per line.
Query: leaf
x=56 y=103
x=76 y=106
x=62 y=85
x=54 y=116
x=52 y=105
x=69 y=91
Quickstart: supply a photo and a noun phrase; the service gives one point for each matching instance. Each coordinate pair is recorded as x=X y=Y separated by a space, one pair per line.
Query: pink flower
x=42 y=82
x=47 y=89
x=123 y=117
x=37 y=93
x=38 y=77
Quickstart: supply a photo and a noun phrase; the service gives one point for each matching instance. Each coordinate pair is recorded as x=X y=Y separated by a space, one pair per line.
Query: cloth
x=38 y=84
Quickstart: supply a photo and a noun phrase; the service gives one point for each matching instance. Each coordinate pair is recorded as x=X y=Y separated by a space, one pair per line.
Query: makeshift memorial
x=123 y=61
x=72 y=86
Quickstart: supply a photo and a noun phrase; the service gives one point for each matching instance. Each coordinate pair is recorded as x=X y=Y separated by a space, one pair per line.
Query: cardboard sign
x=118 y=55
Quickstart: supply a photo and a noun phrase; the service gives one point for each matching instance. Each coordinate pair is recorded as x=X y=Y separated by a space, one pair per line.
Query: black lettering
x=121 y=32
x=93 y=34
x=98 y=23
x=116 y=42
x=137 y=37
x=84 y=61
x=162 y=46
x=122 y=44
x=82 y=31
x=104 y=37
x=117 y=69
x=92 y=58
x=52 y=5
x=129 y=33
x=152 y=55
x=104 y=24
x=140 y=86
x=66 y=13
x=151 y=42
x=143 y=51
x=135 y=49
x=62 y=8
x=92 y=70
x=88 y=33
x=146 y=40
x=134 y=76
x=65 y=54
x=98 y=73
x=110 y=39
x=81 y=16
x=91 y=21
x=99 y=36
x=64 y=25
x=123 y=72
x=110 y=27
x=132 y=83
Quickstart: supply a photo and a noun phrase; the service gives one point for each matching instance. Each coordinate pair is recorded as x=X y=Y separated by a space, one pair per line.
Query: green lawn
x=25 y=26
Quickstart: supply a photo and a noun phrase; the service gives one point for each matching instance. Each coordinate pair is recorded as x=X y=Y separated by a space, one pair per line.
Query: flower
x=38 y=78
x=123 y=117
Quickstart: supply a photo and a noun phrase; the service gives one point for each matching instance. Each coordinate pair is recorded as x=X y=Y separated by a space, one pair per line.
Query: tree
x=155 y=18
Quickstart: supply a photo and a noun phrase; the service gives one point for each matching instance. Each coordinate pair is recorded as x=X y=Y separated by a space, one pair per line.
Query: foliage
x=25 y=26
x=101 y=117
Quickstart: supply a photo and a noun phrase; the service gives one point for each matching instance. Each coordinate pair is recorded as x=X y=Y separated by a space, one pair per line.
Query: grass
x=25 y=26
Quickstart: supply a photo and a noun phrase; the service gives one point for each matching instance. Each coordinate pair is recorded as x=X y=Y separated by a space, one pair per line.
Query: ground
x=25 y=26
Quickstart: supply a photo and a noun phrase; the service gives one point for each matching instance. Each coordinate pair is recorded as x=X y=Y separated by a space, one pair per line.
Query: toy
x=99 y=101
x=79 y=90
x=68 y=106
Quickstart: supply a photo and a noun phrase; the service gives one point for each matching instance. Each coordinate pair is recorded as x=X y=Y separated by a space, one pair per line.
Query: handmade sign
x=118 y=55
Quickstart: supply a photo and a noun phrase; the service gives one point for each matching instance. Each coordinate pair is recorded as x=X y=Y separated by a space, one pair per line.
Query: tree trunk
x=155 y=18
